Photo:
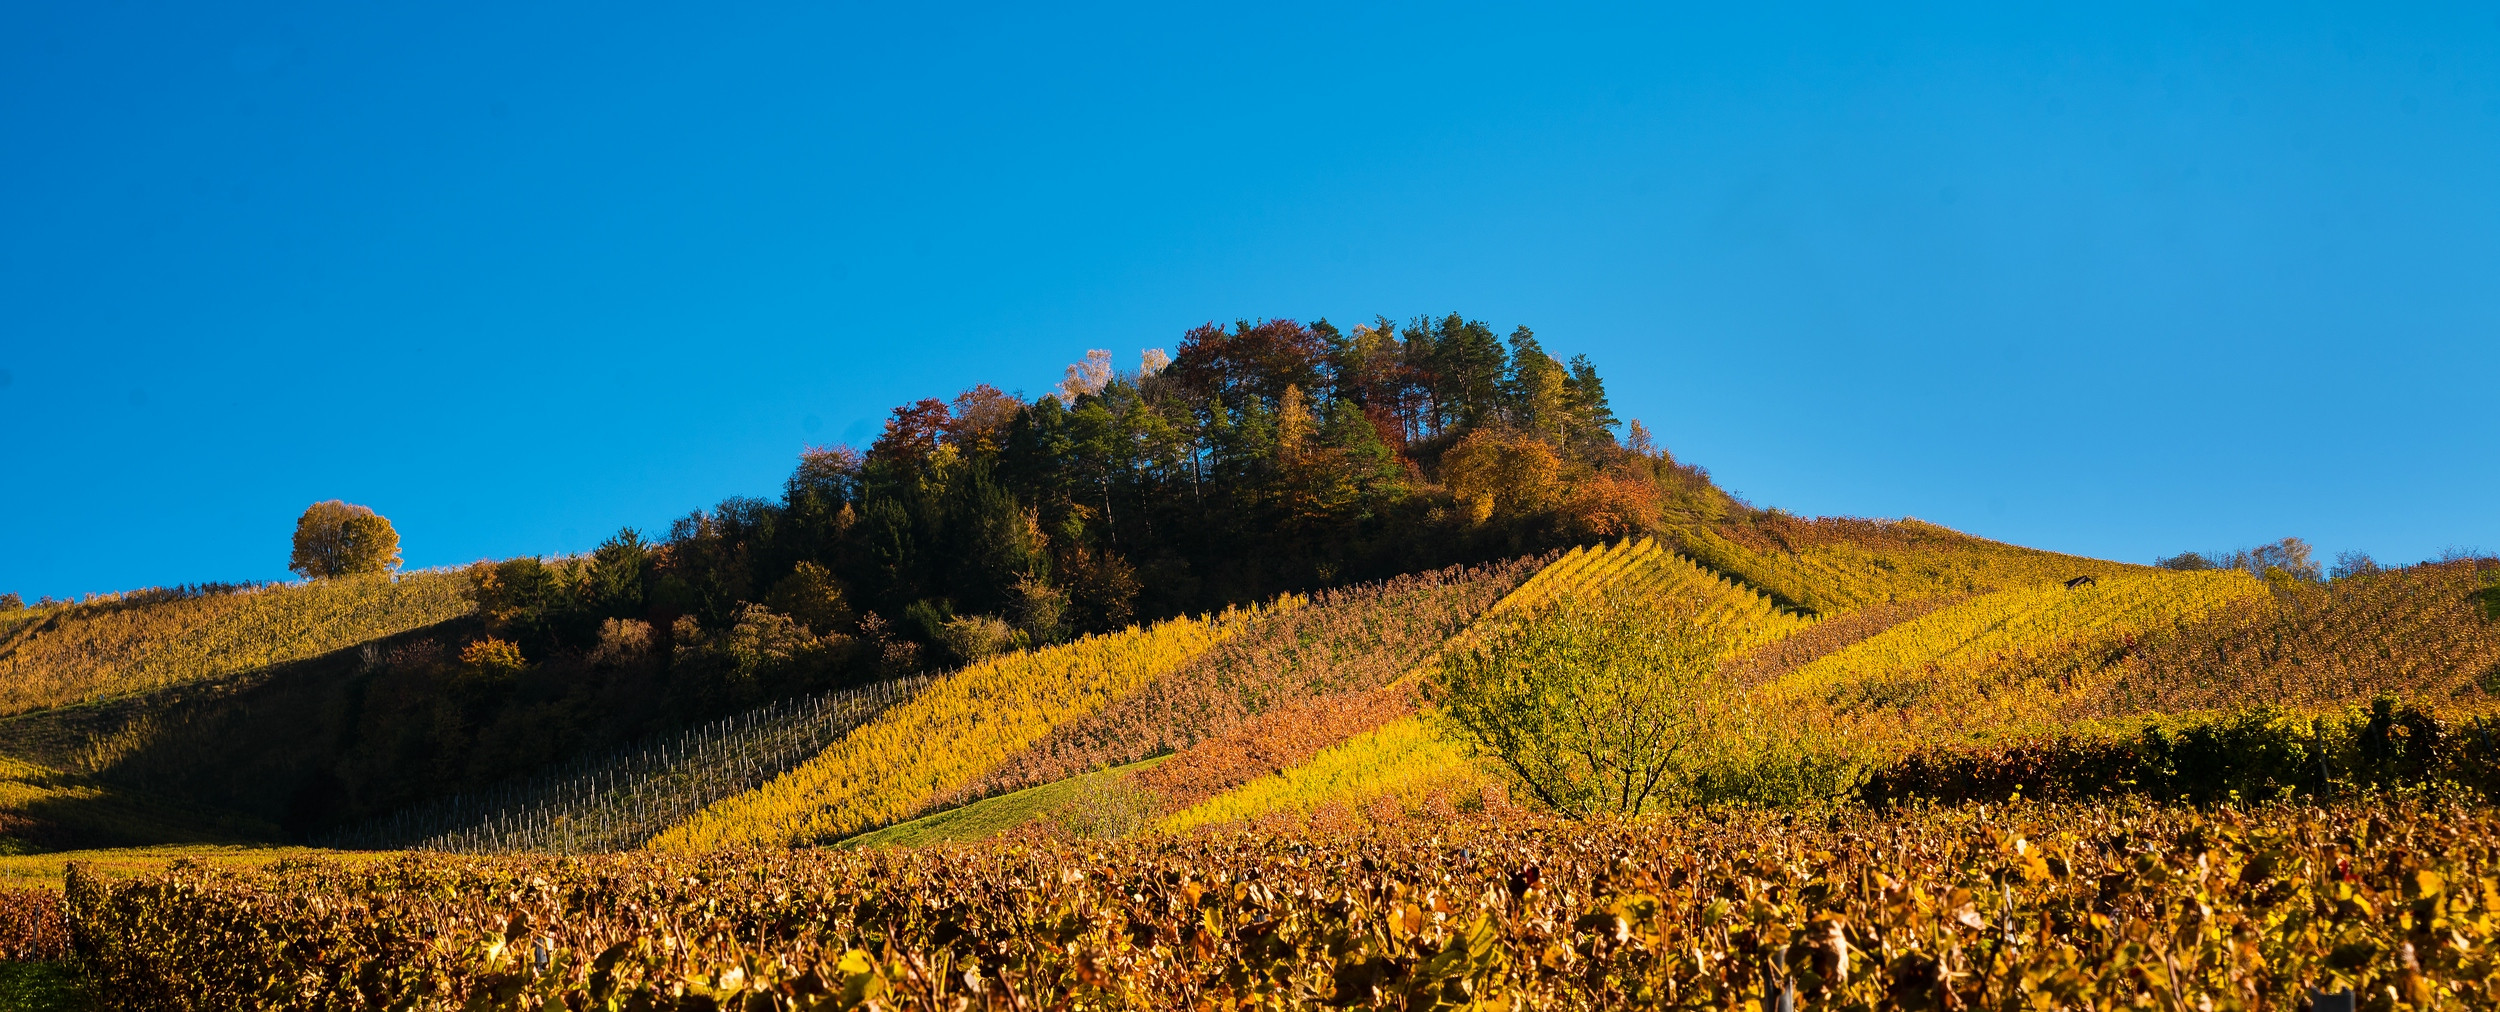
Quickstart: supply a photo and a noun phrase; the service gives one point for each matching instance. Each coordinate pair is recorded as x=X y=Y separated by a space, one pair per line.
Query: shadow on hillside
x=249 y=758
x=294 y=749
x=82 y=815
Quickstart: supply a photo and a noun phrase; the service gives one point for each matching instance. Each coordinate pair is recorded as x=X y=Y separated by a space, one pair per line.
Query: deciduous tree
x=1593 y=702
x=336 y=538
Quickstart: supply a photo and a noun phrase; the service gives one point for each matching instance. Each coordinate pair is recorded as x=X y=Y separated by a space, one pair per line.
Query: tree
x=812 y=596
x=1503 y=476
x=1592 y=701
x=343 y=539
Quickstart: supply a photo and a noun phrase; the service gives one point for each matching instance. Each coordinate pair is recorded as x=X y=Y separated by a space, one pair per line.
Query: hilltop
x=1400 y=616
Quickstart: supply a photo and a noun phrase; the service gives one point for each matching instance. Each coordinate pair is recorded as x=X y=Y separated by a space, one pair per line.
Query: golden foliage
x=336 y=538
x=1837 y=564
x=1404 y=761
x=2003 y=907
x=1972 y=668
x=959 y=728
x=493 y=657
x=1502 y=476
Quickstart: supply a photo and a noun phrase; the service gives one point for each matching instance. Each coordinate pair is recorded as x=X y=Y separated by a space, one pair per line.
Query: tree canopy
x=1263 y=457
x=337 y=538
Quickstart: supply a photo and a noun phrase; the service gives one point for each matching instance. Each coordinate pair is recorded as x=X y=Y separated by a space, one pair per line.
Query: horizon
x=2122 y=283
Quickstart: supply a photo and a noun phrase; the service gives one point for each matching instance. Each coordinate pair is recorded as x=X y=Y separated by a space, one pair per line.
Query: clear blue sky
x=2113 y=281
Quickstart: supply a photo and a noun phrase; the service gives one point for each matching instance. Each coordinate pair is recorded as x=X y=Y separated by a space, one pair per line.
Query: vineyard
x=1935 y=775
x=1838 y=564
x=956 y=730
x=118 y=646
x=2424 y=632
x=1339 y=734
x=2038 y=906
x=1396 y=769
x=620 y=800
x=1953 y=671
x=1335 y=645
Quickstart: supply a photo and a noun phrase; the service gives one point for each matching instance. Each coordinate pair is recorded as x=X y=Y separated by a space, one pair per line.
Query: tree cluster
x=2282 y=563
x=1264 y=457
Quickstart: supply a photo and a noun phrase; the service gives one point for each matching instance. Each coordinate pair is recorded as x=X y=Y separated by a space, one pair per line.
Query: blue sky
x=2113 y=280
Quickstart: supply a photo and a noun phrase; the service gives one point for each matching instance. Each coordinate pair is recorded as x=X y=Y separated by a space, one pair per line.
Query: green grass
x=991 y=816
x=41 y=987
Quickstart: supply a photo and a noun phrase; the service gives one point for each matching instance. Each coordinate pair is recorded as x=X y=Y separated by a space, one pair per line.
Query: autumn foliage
x=2034 y=906
x=343 y=539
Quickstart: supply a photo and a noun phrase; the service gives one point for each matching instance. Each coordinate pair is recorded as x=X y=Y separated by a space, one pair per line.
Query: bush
x=2254 y=755
x=622 y=641
x=493 y=658
x=973 y=638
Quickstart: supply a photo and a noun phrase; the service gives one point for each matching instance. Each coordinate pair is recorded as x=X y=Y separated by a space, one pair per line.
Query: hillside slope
x=1831 y=565
x=80 y=653
x=954 y=731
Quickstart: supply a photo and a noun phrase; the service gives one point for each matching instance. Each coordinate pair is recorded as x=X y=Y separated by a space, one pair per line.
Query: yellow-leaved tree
x=337 y=538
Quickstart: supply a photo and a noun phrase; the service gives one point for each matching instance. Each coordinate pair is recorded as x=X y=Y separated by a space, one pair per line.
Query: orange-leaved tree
x=342 y=539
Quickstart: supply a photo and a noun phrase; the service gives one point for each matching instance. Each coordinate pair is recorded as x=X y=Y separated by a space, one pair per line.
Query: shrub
x=2253 y=755
x=493 y=658
x=973 y=638
x=622 y=641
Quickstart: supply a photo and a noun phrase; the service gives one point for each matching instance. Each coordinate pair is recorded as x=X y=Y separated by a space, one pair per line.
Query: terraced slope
x=952 y=733
x=1342 y=642
x=1996 y=664
x=116 y=647
x=2430 y=633
x=1405 y=765
x=1833 y=565
x=1377 y=754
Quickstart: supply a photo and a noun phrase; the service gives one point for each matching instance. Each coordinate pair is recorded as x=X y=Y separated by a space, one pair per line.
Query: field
x=1933 y=776
x=113 y=647
x=1983 y=666
x=2097 y=906
x=1090 y=805
x=959 y=728
x=1834 y=565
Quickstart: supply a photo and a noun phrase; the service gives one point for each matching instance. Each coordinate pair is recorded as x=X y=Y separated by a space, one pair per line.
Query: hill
x=119 y=645
x=1295 y=605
